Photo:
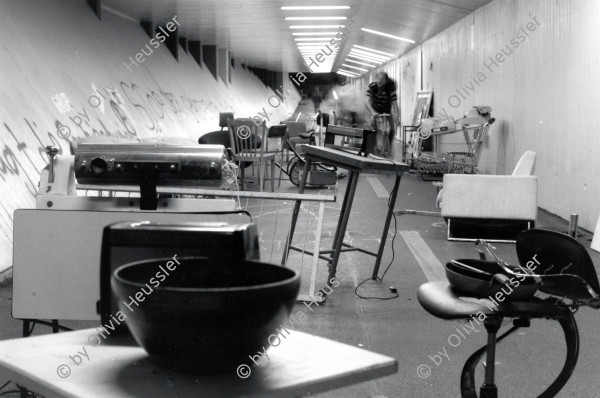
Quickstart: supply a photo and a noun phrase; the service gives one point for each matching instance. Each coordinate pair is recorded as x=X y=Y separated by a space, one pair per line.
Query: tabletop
x=363 y=164
x=74 y=364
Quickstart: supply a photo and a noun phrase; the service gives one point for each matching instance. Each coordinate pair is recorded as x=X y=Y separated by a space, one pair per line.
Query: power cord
x=21 y=390
x=393 y=290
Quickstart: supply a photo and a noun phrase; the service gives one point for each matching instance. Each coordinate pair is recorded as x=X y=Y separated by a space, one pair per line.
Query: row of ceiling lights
x=367 y=57
x=311 y=43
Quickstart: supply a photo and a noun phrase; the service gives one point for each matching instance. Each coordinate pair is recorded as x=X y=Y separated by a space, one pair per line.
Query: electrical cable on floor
x=10 y=392
x=21 y=390
x=396 y=294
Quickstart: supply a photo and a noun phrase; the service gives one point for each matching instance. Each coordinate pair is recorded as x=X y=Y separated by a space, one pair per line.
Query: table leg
x=342 y=211
x=343 y=223
x=288 y=242
x=26 y=327
x=273 y=175
x=386 y=227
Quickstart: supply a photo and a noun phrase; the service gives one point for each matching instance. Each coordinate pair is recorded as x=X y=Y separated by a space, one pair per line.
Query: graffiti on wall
x=123 y=110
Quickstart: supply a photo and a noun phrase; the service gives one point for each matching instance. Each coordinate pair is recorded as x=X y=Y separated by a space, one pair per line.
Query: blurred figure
x=381 y=96
x=382 y=100
x=317 y=97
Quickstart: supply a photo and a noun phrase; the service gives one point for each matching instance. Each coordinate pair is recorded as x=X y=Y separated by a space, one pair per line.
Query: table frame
x=355 y=164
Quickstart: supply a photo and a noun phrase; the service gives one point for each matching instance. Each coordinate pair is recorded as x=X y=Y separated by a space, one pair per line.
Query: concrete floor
x=400 y=328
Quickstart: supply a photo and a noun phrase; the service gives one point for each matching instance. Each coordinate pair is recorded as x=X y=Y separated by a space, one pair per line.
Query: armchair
x=491 y=207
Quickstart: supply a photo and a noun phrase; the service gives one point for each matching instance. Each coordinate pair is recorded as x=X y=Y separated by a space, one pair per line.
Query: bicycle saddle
x=549 y=262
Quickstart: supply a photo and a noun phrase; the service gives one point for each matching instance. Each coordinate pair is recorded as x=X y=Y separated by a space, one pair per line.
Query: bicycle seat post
x=489 y=388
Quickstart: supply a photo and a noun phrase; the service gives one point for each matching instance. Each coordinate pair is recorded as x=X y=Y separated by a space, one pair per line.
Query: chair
x=246 y=143
x=275 y=144
x=474 y=204
x=218 y=137
x=565 y=271
x=294 y=129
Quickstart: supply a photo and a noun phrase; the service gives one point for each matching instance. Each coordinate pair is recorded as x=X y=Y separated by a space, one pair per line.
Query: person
x=382 y=99
x=317 y=98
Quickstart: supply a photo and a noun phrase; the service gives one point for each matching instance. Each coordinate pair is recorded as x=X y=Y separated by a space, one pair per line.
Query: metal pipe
x=573 y=225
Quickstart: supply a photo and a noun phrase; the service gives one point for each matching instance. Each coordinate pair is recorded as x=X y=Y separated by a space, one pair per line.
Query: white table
x=301 y=364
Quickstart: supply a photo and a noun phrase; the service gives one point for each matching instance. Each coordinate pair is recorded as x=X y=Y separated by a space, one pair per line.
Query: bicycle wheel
x=295 y=170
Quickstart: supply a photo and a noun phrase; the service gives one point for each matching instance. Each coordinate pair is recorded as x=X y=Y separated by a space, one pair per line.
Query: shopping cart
x=454 y=152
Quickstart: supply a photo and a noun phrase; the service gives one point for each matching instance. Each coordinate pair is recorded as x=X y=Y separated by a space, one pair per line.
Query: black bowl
x=204 y=314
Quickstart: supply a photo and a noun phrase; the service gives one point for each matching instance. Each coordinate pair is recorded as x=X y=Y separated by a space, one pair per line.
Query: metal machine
x=111 y=166
x=127 y=242
x=57 y=246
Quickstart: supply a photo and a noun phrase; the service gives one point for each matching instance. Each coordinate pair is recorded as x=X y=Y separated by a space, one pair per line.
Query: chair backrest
x=526 y=164
x=277 y=130
x=555 y=253
x=247 y=137
x=295 y=128
x=223 y=118
x=275 y=138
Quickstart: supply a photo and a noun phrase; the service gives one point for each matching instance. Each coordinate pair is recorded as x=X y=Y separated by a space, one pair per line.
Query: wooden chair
x=248 y=143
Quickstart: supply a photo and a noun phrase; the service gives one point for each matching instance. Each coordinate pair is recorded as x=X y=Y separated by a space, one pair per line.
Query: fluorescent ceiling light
x=346 y=75
x=317 y=26
x=291 y=8
x=314 y=34
x=370 y=55
x=365 y=59
x=314 y=18
x=324 y=39
x=311 y=45
x=313 y=49
x=353 y=74
x=372 y=50
x=360 y=63
x=355 y=67
x=375 y=32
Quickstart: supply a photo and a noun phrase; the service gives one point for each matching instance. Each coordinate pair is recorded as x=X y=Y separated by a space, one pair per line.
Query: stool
x=575 y=282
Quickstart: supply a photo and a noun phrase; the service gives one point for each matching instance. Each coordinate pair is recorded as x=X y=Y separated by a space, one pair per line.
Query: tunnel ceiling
x=257 y=33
